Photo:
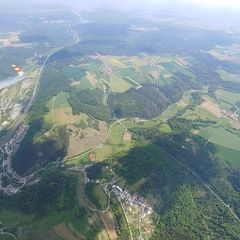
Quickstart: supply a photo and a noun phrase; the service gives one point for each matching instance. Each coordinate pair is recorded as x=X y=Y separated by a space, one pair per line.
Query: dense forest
x=55 y=192
x=90 y=101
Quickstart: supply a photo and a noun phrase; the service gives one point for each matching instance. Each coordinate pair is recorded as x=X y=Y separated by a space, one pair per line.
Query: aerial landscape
x=119 y=120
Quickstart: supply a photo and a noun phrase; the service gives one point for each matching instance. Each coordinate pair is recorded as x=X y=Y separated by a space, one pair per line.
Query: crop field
x=226 y=76
x=226 y=139
x=141 y=69
x=212 y=107
x=229 y=97
x=199 y=114
x=230 y=53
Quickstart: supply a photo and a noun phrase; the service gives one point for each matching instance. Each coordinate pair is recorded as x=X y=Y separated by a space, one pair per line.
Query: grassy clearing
x=110 y=225
x=199 y=114
x=114 y=144
x=230 y=155
x=97 y=196
x=82 y=140
x=60 y=112
x=67 y=232
x=119 y=84
x=165 y=128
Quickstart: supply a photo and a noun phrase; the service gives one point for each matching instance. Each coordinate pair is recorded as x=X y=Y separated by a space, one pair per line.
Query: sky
x=215 y=3
x=210 y=4
x=204 y=3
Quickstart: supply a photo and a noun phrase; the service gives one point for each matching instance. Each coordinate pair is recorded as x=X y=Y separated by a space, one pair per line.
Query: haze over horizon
x=216 y=4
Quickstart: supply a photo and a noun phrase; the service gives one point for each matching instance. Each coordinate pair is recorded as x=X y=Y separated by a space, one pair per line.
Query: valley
x=119 y=128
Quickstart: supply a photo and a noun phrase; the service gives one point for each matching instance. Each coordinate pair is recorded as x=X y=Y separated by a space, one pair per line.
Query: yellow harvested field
x=212 y=108
x=63 y=232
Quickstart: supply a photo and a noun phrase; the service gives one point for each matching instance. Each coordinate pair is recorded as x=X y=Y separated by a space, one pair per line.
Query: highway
x=9 y=134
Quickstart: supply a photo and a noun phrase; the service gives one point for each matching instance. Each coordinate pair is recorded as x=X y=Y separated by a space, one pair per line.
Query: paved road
x=9 y=134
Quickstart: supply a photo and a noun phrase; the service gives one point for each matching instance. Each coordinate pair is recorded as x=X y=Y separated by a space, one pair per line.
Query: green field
x=226 y=139
x=230 y=155
x=119 y=84
x=76 y=218
x=97 y=196
x=114 y=144
x=226 y=76
x=229 y=97
x=198 y=114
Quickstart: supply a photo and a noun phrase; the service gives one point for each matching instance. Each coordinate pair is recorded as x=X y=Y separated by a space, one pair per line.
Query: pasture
x=230 y=155
x=97 y=196
x=59 y=111
x=115 y=143
x=226 y=139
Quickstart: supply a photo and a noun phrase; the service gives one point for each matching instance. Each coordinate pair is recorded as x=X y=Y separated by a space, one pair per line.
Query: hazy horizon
x=213 y=4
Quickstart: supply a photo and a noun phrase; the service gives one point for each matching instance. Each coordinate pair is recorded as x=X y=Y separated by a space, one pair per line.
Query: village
x=14 y=182
x=139 y=214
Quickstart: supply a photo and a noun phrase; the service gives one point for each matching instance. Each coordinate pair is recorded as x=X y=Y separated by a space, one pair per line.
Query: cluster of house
x=232 y=115
x=134 y=200
x=12 y=146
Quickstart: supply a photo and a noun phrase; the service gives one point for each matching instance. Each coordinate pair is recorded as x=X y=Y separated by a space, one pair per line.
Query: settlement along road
x=9 y=134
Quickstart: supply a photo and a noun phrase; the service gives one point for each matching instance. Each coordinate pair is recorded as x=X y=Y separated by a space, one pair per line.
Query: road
x=9 y=134
x=6 y=164
x=8 y=234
